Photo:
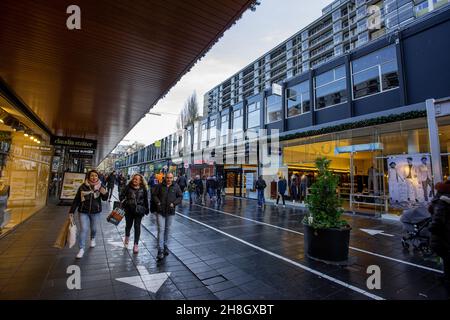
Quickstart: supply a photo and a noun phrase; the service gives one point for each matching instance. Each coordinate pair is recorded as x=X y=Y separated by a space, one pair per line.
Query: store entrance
x=233 y=182
x=366 y=189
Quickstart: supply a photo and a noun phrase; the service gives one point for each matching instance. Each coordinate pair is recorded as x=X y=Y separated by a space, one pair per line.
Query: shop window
x=330 y=88
x=273 y=108
x=375 y=73
x=298 y=99
x=254 y=115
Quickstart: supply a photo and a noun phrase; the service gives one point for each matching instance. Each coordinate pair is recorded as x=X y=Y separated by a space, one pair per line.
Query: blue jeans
x=211 y=193
x=88 y=220
x=163 y=224
x=261 y=199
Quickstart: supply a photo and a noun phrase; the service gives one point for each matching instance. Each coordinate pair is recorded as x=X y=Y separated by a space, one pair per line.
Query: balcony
x=321 y=50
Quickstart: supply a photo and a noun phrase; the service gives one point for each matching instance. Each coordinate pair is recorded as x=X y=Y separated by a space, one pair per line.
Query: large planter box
x=328 y=245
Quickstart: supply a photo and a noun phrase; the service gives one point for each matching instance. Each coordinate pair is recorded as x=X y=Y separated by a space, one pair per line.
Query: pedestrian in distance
x=198 y=189
x=166 y=196
x=135 y=203
x=440 y=227
x=182 y=182
x=204 y=189
x=110 y=182
x=211 y=186
x=260 y=186
x=219 y=189
x=88 y=201
x=192 y=191
x=282 y=186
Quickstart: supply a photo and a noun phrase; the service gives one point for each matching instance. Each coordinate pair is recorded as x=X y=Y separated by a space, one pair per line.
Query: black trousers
x=110 y=191
x=130 y=220
x=282 y=197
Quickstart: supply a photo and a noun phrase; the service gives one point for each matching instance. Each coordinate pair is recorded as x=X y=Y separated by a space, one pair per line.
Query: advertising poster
x=409 y=179
x=23 y=185
x=70 y=185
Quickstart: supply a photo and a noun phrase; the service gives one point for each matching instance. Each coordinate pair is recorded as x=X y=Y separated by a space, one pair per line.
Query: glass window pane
x=324 y=78
x=331 y=94
x=273 y=108
x=366 y=82
x=378 y=57
x=254 y=119
x=389 y=75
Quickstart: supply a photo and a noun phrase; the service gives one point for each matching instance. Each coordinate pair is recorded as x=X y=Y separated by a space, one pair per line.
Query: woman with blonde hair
x=135 y=203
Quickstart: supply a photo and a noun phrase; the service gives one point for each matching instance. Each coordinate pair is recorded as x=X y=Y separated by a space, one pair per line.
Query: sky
x=253 y=35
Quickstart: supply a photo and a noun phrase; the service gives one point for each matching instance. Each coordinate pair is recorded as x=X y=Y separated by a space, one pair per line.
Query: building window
x=254 y=115
x=224 y=129
x=336 y=15
x=204 y=135
x=375 y=72
x=421 y=9
x=273 y=108
x=238 y=124
x=361 y=26
x=212 y=132
x=337 y=39
x=305 y=45
x=330 y=88
x=361 y=12
x=337 y=26
x=305 y=56
x=298 y=99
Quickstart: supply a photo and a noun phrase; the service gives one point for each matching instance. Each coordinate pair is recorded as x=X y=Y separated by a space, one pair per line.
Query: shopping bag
x=116 y=215
x=72 y=236
x=62 y=235
x=186 y=195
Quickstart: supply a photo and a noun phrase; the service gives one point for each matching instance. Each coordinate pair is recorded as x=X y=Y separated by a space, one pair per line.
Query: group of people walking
x=134 y=198
x=200 y=189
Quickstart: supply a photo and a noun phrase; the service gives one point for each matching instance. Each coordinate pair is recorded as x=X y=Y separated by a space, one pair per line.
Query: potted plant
x=327 y=235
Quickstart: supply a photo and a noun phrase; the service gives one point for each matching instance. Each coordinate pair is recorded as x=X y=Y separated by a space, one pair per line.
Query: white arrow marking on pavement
x=145 y=280
x=373 y=232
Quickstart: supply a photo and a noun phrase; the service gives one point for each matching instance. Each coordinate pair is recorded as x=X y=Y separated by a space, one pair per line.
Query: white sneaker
x=80 y=254
x=93 y=244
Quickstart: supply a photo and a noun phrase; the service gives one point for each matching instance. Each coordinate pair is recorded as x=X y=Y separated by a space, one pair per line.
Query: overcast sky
x=253 y=35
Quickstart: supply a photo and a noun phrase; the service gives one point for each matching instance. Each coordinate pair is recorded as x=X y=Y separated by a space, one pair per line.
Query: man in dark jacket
x=440 y=227
x=166 y=196
x=182 y=182
x=260 y=186
x=282 y=186
x=199 y=189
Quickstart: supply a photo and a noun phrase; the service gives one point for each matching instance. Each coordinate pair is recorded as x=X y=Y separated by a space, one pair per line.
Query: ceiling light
x=25 y=134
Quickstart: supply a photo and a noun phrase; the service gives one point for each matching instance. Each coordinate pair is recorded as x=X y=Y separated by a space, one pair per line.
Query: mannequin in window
x=372 y=184
x=303 y=186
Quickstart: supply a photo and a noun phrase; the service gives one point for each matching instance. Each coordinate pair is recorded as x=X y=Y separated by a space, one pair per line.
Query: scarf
x=94 y=189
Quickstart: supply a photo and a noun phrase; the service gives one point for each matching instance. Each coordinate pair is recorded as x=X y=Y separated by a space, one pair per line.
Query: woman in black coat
x=135 y=203
x=440 y=226
x=88 y=201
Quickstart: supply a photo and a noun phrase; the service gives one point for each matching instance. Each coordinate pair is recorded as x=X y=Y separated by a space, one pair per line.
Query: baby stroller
x=416 y=222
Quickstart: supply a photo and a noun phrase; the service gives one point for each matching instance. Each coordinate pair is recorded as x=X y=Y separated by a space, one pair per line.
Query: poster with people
x=409 y=179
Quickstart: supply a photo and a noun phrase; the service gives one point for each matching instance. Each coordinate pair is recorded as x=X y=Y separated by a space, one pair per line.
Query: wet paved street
x=234 y=251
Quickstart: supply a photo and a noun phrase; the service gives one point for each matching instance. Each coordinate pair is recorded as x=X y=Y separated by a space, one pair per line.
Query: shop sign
x=81 y=153
x=359 y=148
x=73 y=142
x=186 y=165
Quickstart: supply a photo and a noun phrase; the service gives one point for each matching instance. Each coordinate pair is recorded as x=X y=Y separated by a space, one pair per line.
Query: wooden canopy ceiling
x=98 y=82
